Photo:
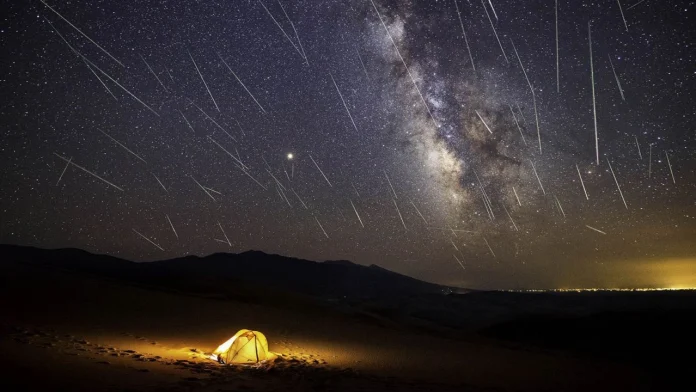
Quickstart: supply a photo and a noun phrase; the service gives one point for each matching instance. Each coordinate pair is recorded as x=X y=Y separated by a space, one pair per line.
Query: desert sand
x=68 y=331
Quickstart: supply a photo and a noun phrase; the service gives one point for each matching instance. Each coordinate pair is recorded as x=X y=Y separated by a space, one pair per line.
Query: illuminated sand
x=87 y=334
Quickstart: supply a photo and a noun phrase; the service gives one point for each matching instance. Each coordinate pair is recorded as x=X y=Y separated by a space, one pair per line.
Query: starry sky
x=453 y=141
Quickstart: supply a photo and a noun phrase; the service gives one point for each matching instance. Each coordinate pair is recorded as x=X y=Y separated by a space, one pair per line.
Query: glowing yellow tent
x=245 y=346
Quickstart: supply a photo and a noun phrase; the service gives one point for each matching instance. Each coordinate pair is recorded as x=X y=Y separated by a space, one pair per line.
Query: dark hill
x=249 y=271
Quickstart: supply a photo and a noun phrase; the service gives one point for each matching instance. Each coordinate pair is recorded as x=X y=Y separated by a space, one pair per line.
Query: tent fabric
x=245 y=346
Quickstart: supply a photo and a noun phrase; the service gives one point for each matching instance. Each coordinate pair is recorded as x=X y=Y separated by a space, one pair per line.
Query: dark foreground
x=84 y=330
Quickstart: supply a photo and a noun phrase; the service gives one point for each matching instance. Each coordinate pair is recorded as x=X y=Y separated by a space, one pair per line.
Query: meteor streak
x=173 y=229
x=597 y=230
x=518 y=125
x=399 y=212
x=204 y=83
x=483 y=121
x=622 y=14
x=594 y=102
x=321 y=227
x=558 y=74
x=223 y=233
x=153 y=73
x=148 y=240
x=83 y=34
x=100 y=79
x=495 y=32
x=617 y=184
x=537 y=176
x=670 y=168
x=466 y=40
x=124 y=147
x=243 y=85
x=87 y=171
x=489 y=246
x=63 y=172
x=283 y=30
x=582 y=182
x=320 y=171
x=618 y=82
x=510 y=216
x=516 y=197
x=344 y=103
x=419 y=213
x=458 y=261
x=356 y=212
x=86 y=60
x=160 y=182
x=203 y=188
x=390 y=184
x=536 y=115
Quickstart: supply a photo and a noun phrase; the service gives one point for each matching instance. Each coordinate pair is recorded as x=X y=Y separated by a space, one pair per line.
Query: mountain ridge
x=331 y=278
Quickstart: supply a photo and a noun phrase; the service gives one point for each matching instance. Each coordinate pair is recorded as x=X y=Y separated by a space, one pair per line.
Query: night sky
x=196 y=154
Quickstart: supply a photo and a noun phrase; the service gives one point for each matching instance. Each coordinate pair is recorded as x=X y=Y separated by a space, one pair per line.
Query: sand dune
x=85 y=333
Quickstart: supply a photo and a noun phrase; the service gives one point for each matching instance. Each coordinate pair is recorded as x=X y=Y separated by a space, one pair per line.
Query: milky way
x=359 y=130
